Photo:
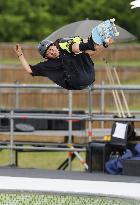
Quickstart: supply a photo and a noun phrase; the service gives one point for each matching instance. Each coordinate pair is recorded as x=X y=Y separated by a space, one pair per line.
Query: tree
x=104 y=9
x=33 y=20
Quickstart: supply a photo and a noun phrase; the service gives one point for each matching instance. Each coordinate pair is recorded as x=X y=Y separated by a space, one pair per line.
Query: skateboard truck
x=116 y=33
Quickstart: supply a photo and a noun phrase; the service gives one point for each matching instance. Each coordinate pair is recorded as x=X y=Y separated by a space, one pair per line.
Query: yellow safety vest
x=65 y=45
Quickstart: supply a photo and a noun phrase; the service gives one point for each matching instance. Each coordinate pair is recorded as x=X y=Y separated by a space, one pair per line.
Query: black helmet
x=43 y=46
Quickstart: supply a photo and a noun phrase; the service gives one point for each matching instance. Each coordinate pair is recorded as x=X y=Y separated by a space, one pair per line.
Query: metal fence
x=89 y=117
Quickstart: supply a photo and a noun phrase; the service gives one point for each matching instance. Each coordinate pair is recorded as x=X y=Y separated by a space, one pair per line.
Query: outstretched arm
x=22 y=59
x=99 y=48
x=96 y=51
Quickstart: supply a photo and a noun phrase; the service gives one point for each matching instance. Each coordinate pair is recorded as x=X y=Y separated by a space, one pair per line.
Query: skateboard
x=105 y=30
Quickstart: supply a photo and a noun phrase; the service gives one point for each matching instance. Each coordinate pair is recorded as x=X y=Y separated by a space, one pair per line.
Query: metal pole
x=70 y=115
x=113 y=91
x=32 y=148
x=90 y=113
x=46 y=116
x=123 y=96
x=17 y=95
x=116 y=93
x=102 y=103
x=52 y=86
x=89 y=118
x=11 y=137
x=70 y=125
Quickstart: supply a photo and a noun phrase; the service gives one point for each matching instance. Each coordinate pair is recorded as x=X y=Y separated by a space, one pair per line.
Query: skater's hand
x=18 y=50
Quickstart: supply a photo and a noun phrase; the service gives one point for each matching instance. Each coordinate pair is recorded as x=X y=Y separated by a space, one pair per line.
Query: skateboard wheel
x=112 y=20
x=117 y=34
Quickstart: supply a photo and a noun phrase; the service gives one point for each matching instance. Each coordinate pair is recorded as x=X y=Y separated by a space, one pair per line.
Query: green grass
x=41 y=160
x=135 y=81
x=49 y=199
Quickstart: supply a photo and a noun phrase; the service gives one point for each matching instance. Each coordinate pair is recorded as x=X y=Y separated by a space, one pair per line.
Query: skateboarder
x=67 y=61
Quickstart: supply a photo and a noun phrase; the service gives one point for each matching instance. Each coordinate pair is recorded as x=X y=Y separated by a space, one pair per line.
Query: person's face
x=52 y=52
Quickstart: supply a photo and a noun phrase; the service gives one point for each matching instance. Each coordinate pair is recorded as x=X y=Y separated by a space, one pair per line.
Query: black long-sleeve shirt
x=72 y=72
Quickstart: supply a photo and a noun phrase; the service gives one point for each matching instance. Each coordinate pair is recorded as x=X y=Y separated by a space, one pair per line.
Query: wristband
x=87 y=46
x=105 y=44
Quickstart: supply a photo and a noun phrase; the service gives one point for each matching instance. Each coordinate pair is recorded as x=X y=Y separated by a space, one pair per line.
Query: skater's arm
x=22 y=59
x=99 y=48
x=90 y=49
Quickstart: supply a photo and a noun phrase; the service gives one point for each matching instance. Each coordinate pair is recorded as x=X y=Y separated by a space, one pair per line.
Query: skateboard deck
x=104 y=31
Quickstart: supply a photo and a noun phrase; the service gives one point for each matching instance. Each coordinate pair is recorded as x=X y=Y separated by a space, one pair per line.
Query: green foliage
x=33 y=20
x=31 y=198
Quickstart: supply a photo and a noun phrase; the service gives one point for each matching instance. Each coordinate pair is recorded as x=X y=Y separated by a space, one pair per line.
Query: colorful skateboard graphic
x=104 y=31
